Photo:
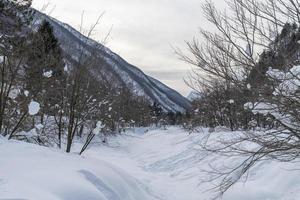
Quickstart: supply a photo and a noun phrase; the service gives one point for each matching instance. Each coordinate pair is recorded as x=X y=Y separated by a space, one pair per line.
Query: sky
x=143 y=32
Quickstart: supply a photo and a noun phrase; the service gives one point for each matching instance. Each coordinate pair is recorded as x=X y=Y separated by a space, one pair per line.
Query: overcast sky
x=144 y=32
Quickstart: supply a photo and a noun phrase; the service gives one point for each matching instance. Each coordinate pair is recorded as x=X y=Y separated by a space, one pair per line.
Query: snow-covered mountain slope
x=112 y=65
x=193 y=95
x=138 y=165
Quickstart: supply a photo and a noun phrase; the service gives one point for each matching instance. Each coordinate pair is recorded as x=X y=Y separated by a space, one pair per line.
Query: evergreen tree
x=156 y=112
x=45 y=78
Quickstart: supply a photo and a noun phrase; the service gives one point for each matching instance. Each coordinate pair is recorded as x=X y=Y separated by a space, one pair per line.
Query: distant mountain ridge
x=193 y=95
x=72 y=42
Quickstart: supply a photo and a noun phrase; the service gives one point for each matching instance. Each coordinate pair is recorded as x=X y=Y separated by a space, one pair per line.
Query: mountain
x=112 y=65
x=193 y=95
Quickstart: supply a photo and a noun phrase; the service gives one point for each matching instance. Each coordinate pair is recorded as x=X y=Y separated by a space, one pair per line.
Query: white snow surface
x=13 y=94
x=139 y=165
x=248 y=86
x=98 y=128
x=33 y=108
x=289 y=81
x=231 y=101
x=26 y=93
x=37 y=173
x=48 y=74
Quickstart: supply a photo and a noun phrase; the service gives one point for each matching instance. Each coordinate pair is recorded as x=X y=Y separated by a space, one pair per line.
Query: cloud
x=143 y=31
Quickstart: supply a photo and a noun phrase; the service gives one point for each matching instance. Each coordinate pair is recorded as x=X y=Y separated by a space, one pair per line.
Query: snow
x=35 y=173
x=31 y=133
x=66 y=68
x=39 y=126
x=248 y=86
x=248 y=106
x=143 y=164
x=26 y=93
x=193 y=95
x=264 y=108
x=33 y=108
x=172 y=164
x=14 y=93
x=99 y=127
x=289 y=81
x=286 y=89
x=48 y=74
x=231 y=101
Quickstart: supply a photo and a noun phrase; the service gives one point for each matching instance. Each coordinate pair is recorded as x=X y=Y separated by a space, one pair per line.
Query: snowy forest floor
x=138 y=165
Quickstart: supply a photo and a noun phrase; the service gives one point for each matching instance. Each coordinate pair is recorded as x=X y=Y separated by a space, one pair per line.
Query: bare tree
x=14 y=17
x=84 y=95
x=248 y=39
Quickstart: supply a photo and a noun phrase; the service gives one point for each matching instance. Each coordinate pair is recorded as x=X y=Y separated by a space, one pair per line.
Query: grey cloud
x=144 y=31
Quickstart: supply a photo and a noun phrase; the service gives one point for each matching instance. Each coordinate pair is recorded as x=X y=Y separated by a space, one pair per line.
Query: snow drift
x=32 y=172
x=142 y=164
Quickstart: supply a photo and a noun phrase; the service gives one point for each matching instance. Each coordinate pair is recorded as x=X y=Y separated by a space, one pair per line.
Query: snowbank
x=172 y=163
x=32 y=172
x=140 y=165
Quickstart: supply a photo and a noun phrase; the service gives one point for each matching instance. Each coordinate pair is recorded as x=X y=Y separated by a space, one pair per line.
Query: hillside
x=112 y=65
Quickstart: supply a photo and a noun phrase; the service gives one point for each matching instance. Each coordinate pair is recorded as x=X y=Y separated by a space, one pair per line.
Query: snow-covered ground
x=158 y=164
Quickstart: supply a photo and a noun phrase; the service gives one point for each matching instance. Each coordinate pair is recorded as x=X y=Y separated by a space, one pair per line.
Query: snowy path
x=154 y=158
x=157 y=165
x=171 y=164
